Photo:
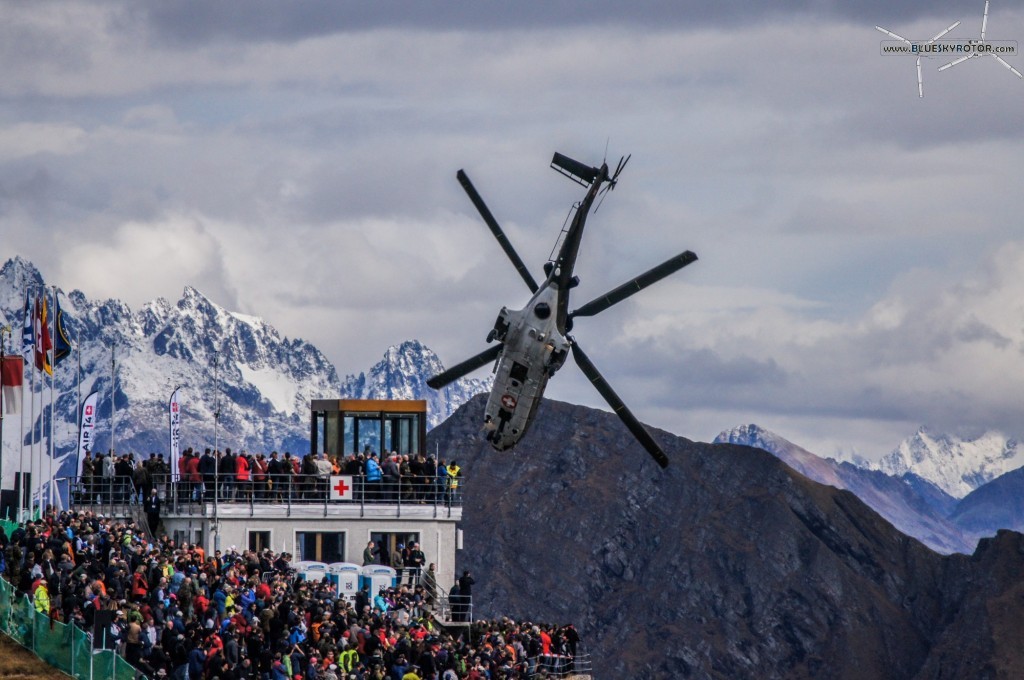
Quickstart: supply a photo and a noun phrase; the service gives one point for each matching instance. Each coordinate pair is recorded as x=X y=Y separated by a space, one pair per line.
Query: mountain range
x=728 y=564
x=260 y=382
x=916 y=504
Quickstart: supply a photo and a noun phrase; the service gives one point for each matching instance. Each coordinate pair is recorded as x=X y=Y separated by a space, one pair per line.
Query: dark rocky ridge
x=727 y=565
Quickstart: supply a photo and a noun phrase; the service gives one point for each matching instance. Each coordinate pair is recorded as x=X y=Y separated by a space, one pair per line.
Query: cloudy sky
x=861 y=250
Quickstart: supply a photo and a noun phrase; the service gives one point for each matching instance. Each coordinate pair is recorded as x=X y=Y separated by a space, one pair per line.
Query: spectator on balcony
x=398 y=560
x=226 y=468
x=208 y=471
x=193 y=476
x=243 y=475
x=370 y=554
x=408 y=479
x=323 y=475
x=276 y=474
x=88 y=472
x=373 y=477
x=307 y=479
x=454 y=472
x=259 y=476
x=142 y=481
x=392 y=477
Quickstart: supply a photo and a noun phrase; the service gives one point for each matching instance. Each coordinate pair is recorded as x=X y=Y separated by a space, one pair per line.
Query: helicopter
x=534 y=342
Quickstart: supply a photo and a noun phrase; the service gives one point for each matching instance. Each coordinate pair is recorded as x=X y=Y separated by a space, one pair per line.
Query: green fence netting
x=63 y=646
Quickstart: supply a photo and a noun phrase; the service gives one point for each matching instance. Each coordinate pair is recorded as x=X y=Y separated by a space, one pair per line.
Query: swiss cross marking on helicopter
x=508 y=401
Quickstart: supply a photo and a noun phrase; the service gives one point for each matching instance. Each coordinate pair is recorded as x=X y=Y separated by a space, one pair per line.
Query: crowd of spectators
x=231 y=476
x=174 y=610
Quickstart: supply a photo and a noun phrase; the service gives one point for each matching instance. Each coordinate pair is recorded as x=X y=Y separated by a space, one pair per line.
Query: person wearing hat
x=398 y=560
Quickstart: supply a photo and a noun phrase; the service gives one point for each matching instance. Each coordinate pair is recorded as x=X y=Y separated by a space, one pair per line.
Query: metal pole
x=21 y=437
x=3 y=357
x=113 y=396
x=30 y=501
x=53 y=385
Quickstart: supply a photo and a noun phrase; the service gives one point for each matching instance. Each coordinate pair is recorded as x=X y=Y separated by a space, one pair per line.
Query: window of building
x=259 y=540
x=320 y=546
x=388 y=542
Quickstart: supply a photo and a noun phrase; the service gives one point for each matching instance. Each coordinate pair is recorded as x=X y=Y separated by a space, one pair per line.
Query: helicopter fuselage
x=534 y=349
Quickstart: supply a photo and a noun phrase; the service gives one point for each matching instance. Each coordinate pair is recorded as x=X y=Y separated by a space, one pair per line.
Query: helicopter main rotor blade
x=636 y=285
x=890 y=33
x=468 y=366
x=1004 y=63
x=496 y=230
x=957 y=61
x=624 y=414
x=944 y=32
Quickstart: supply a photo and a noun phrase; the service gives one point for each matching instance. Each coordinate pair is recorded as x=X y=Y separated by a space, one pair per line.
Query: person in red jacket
x=242 y=475
x=194 y=478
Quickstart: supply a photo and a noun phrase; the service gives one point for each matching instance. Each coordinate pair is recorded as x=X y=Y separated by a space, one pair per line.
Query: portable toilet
x=377 y=576
x=345 y=577
x=313 y=571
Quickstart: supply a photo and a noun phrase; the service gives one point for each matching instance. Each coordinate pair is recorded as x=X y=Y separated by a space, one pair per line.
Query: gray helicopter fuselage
x=534 y=348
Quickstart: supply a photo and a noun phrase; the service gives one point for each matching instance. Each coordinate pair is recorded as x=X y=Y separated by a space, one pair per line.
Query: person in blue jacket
x=373 y=477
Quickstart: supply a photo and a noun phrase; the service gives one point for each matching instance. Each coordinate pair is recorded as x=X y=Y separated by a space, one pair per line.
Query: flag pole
x=6 y=330
x=21 y=440
x=21 y=445
x=32 y=420
x=53 y=385
x=113 y=396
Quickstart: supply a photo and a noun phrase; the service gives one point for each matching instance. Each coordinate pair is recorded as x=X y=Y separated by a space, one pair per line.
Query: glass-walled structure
x=344 y=426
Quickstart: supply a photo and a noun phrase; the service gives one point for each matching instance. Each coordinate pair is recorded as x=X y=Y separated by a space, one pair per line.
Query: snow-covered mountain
x=261 y=381
x=957 y=466
x=913 y=505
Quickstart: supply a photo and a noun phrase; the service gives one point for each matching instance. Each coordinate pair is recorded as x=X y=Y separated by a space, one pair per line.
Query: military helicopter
x=533 y=342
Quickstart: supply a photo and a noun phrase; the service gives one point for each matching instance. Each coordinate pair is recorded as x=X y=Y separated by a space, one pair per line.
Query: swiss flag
x=341 y=488
x=11 y=374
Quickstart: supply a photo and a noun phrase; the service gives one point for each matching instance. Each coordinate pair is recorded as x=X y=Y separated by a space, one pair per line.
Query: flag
x=85 y=431
x=28 y=334
x=61 y=340
x=43 y=344
x=12 y=372
x=341 y=488
x=174 y=413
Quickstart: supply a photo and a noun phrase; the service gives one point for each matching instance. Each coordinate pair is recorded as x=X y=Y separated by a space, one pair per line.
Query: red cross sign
x=341 y=488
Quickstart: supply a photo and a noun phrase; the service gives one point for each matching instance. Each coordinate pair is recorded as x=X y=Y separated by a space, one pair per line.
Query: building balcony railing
x=417 y=497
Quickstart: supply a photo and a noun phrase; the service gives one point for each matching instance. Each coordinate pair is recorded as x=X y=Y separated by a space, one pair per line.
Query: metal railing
x=180 y=497
x=452 y=609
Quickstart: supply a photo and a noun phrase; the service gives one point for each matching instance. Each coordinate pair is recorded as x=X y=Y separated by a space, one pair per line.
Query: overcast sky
x=861 y=250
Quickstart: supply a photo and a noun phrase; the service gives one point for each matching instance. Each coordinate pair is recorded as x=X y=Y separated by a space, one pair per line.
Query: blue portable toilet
x=345 y=577
x=311 y=571
x=377 y=576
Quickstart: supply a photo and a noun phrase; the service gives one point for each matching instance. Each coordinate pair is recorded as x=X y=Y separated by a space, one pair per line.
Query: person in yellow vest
x=41 y=599
x=453 y=480
x=347 y=659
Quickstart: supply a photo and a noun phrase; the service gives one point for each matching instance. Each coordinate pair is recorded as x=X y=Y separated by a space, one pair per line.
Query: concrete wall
x=437 y=537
